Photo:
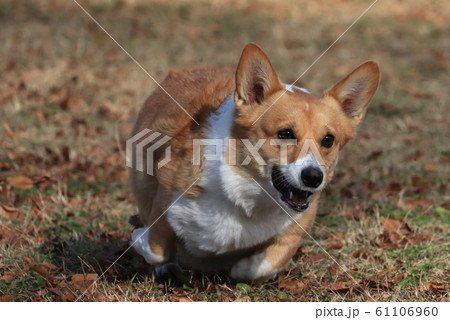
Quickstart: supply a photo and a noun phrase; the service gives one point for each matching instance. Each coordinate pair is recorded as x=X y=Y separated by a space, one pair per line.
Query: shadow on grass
x=109 y=256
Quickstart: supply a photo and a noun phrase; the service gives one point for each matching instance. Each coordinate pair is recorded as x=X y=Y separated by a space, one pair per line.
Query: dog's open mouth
x=296 y=199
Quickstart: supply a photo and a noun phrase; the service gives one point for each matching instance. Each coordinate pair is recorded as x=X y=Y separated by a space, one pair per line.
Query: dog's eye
x=286 y=134
x=328 y=141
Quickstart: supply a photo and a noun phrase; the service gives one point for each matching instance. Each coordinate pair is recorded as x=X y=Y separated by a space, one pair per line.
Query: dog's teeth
x=290 y=195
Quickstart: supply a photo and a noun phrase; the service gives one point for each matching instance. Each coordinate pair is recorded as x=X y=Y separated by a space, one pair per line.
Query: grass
x=69 y=97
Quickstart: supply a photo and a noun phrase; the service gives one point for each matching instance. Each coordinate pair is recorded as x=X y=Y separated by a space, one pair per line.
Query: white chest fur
x=232 y=212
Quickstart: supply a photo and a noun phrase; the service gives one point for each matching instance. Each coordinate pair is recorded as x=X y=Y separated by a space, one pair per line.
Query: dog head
x=302 y=134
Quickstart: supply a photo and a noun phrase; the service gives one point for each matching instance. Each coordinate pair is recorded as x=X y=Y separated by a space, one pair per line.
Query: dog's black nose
x=312 y=177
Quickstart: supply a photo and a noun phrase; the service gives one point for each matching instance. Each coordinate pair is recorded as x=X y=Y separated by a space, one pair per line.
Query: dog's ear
x=255 y=77
x=356 y=90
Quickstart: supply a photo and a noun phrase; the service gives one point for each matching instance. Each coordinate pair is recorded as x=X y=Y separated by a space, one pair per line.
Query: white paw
x=139 y=241
x=253 y=268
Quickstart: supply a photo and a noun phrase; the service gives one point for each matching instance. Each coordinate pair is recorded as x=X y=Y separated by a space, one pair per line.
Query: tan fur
x=199 y=92
x=256 y=86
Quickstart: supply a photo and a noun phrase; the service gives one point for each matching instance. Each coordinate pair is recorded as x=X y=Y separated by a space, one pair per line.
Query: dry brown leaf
x=48 y=265
x=44 y=181
x=27 y=259
x=12 y=237
x=333 y=269
x=420 y=237
x=44 y=272
x=82 y=281
x=391 y=268
x=436 y=286
x=340 y=286
x=179 y=298
x=20 y=182
x=6 y=298
x=317 y=256
x=400 y=277
x=291 y=285
x=70 y=297
x=79 y=277
x=11 y=213
x=395 y=225
x=240 y=300
x=7 y=277
x=361 y=253
x=334 y=246
x=421 y=203
x=337 y=236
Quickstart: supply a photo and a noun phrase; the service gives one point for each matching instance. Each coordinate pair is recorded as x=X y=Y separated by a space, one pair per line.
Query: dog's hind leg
x=155 y=239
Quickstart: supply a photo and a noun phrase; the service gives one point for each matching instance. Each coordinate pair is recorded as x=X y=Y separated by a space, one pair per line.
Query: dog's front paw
x=139 y=241
x=253 y=268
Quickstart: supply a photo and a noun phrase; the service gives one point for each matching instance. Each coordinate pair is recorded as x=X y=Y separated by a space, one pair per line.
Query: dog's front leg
x=266 y=263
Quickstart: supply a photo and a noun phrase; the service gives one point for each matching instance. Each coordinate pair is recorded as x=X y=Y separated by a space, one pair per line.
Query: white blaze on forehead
x=308 y=161
x=291 y=87
x=307 y=105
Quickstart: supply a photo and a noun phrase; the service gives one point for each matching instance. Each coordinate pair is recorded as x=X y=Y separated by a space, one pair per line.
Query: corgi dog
x=241 y=190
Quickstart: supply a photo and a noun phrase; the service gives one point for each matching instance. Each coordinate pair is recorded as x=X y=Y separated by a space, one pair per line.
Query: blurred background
x=69 y=96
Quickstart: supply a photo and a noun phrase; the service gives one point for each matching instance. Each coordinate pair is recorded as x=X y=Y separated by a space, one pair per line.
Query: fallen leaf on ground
x=7 y=277
x=11 y=213
x=436 y=286
x=178 y=298
x=395 y=225
x=317 y=256
x=27 y=259
x=6 y=298
x=44 y=181
x=420 y=237
x=340 y=286
x=20 y=182
x=43 y=272
x=291 y=285
x=11 y=236
x=334 y=246
x=333 y=269
x=337 y=236
x=82 y=281
x=361 y=253
x=413 y=203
